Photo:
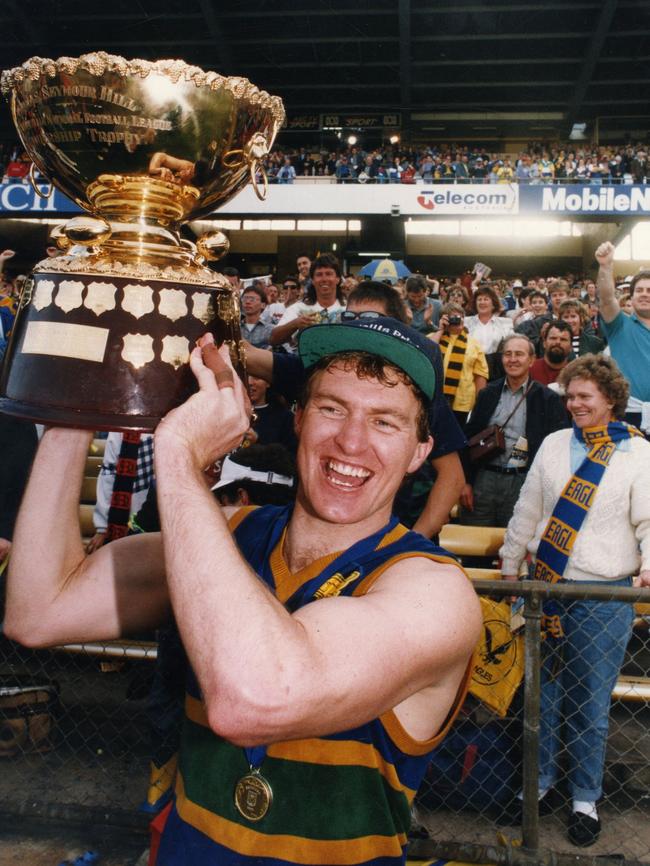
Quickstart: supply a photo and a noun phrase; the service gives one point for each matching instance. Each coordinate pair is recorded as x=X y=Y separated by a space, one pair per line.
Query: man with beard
x=628 y=336
x=557 y=348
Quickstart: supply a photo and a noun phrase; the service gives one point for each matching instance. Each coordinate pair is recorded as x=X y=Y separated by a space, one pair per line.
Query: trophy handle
x=254 y=165
x=35 y=187
x=32 y=181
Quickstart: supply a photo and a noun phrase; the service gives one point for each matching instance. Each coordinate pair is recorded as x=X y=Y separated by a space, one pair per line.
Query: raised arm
x=267 y=675
x=57 y=594
x=444 y=494
x=609 y=306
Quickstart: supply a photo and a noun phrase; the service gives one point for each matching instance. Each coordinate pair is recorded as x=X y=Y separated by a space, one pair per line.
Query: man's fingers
x=218 y=361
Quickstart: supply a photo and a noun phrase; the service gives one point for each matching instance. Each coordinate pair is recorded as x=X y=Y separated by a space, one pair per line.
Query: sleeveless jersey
x=338 y=800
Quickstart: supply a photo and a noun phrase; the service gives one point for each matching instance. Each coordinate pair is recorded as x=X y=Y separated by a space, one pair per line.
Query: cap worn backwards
x=388 y=338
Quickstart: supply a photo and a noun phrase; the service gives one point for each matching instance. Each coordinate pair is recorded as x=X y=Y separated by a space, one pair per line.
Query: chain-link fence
x=79 y=726
x=583 y=712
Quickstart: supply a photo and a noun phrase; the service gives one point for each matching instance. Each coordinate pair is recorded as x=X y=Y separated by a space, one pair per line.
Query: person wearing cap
x=321 y=663
x=258 y=474
x=628 y=336
x=428 y=512
x=478 y=171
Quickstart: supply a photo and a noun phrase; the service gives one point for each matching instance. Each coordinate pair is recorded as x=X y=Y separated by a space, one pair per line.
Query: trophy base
x=81 y=420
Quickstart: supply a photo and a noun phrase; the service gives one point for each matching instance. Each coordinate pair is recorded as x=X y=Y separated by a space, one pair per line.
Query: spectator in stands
x=322 y=302
x=465 y=368
x=457 y=294
x=131 y=489
x=575 y=314
x=425 y=311
x=639 y=167
x=291 y=293
x=479 y=171
x=274 y=423
x=628 y=336
x=531 y=328
x=232 y=275
x=486 y=324
x=527 y=412
x=522 y=311
x=557 y=350
x=605 y=540
x=287 y=174
x=625 y=303
x=257 y=475
x=558 y=291
x=253 y=329
x=590 y=292
x=344 y=171
x=303 y=266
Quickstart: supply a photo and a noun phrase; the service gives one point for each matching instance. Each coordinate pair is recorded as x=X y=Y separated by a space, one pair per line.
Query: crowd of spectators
x=538 y=164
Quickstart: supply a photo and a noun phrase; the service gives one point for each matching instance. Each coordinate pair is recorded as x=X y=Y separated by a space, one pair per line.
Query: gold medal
x=253 y=796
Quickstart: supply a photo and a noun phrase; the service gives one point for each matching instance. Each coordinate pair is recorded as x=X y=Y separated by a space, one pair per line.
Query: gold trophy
x=104 y=331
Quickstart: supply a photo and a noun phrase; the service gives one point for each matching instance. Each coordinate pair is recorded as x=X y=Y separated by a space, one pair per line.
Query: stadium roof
x=471 y=69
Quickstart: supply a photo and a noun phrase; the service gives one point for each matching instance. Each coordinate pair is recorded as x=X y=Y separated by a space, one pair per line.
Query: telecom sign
x=587 y=199
x=469 y=199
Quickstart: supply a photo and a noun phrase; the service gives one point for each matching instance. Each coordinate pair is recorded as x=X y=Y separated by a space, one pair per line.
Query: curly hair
x=368 y=366
x=605 y=374
x=486 y=290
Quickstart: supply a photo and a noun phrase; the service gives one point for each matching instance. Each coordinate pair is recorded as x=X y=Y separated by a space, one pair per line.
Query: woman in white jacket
x=584 y=515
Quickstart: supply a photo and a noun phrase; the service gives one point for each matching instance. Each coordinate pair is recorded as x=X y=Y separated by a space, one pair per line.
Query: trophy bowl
x=104 y=331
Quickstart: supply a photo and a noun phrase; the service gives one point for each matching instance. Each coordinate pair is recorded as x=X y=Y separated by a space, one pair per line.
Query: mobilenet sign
x=589 y=199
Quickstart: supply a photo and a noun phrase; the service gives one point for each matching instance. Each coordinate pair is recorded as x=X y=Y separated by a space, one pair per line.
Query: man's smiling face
x=358 y=439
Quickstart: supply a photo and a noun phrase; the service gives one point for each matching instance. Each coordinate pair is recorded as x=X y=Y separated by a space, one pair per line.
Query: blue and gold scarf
x=576 y=499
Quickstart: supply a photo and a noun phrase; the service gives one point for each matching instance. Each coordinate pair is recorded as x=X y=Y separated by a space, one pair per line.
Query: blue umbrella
x=385 y=269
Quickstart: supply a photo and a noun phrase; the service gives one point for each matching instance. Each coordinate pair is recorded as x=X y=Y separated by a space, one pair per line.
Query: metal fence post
x=532 y=663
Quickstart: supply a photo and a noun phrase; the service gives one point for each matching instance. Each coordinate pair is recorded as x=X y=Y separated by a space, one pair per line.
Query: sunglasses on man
x=348 y=315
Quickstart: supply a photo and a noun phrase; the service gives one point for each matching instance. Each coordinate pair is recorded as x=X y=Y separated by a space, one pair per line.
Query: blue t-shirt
x=289 y=376
x=629 y=343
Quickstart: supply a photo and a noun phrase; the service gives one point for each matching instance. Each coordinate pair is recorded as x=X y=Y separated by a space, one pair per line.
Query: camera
x=454 y=320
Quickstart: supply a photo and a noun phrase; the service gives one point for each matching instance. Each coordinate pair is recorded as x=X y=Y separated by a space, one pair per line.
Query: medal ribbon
x=576 y=499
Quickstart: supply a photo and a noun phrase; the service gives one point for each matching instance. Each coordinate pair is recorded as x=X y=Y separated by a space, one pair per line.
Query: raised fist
x=605 y=255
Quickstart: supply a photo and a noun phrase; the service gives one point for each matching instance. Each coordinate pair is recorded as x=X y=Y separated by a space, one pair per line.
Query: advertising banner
x=396 y=199
x=20 y=198
x=584 y=199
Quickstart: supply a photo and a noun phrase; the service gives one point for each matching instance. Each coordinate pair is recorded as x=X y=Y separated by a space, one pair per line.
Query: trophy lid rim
x=99 y=62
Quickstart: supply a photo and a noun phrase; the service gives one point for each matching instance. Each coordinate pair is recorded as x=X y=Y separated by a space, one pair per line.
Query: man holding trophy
x=323 y=674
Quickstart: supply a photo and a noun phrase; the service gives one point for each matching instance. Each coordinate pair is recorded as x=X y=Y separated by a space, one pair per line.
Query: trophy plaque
x=104 y=331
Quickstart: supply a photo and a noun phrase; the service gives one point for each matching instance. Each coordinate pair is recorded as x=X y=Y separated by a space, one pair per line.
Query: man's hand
x=96 y=541
x=467 y=497
x=609 y=306
x=605 y=255
x=213 y=421
x=6 y=254
x=643 y=578
x=302 y=322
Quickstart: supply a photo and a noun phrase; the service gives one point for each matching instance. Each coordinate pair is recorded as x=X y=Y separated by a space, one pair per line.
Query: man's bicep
x=120 y=589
